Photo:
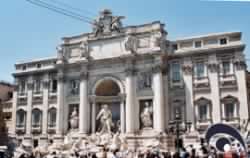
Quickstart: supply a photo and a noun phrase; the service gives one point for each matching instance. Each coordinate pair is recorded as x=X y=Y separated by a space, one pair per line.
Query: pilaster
x=29 y=107
x=187 y=70
x=240 y=72
x=213 y=73
x=45 y=84
x=158 y=104
x=132 y=106
x=14 y=110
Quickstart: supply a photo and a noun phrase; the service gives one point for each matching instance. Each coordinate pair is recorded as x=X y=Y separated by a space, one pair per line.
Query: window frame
x=173 y=73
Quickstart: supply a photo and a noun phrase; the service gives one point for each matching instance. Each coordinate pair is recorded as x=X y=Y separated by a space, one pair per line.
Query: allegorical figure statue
x=146 y=116
x=105 y=117
x=74 y=119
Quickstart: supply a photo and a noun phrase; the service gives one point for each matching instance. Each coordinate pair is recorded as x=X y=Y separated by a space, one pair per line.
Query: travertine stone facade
x=203 y=78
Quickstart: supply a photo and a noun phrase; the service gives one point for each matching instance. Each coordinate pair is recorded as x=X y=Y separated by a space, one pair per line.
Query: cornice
x=238 y=47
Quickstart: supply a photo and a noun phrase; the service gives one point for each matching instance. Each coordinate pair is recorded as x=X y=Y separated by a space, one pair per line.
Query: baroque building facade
x=141 y=77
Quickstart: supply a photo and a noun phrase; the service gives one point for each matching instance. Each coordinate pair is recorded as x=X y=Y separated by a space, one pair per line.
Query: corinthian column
x=29 y=107
x=159 y=120
x=84 y=104
x=45 y=105
x=60 y=104
x=132 y=107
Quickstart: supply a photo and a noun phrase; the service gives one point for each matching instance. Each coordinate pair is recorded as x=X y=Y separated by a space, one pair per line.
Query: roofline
x=36 y=60
x=207 y=36
x=6 y=83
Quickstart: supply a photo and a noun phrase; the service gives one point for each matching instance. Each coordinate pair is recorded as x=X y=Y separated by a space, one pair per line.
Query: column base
x=149 y=139
x=43 y=140
x=27 y=141
x=58 y=139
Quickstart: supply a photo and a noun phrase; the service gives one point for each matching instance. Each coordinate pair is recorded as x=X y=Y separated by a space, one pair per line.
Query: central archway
x=107 y=91
x=107 y=88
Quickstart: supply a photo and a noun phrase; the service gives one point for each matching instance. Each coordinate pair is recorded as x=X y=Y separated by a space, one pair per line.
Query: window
x=200 y=70
x=21 y=118
x=35 y=143
x=197 y=44
x=37 y=87
x=24 y=67
x=52 y=117
x=203 y=111
x=10 y=95
x=175 y=47
x=74 y=87
x=229 y=111
x=226 y=67
x=53 y=85
x=203 y=108
x=176 y=76
x=223 y=41
x=38 y=65
x=22 y=87
x=36 y=118
x=7 y=115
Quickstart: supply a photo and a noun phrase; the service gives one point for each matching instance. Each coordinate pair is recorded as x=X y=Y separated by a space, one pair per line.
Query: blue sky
x=29 y=32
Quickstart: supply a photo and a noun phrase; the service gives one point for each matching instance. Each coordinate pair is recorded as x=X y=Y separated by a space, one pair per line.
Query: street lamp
x=175 y=124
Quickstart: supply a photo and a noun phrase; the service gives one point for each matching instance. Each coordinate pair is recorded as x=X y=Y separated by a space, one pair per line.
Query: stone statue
x=74 y=119
x=116 y=142
x=116 y=24
x=24 y=149
x=60 y=53
x=131 y=44
x=146 y=116
x=107 y=23
x=84 y=49
x=105 y=117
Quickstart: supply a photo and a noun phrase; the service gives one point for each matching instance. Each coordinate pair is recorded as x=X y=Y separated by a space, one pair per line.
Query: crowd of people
x=189 y=152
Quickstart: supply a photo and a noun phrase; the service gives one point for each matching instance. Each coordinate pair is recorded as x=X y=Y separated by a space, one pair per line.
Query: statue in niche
x=74 y=119
x=105 y=117
x=146 y=116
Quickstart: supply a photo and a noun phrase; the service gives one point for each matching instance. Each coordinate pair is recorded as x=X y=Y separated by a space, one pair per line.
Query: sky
x=30 y=32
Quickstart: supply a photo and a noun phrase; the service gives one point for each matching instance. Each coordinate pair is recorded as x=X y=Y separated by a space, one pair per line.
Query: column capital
x=213 y=66
x=60 y=77
x=92 y=98
x=131 y=71
x=84 y=75
x=240 y=65
x=122 y=96
x=187 y=69
x=159 y=68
